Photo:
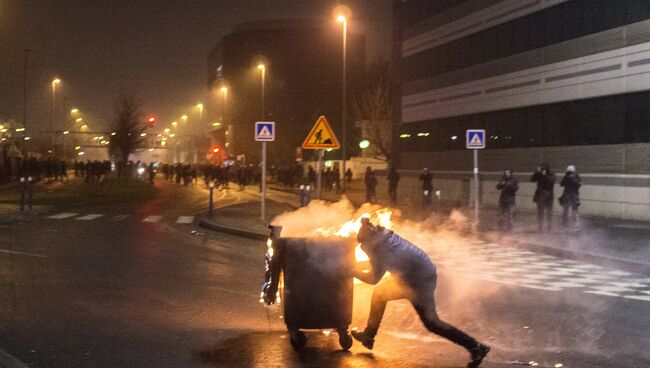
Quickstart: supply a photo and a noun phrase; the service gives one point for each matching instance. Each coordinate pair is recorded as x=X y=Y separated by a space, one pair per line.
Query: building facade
x=558 y=81
x=303 y=80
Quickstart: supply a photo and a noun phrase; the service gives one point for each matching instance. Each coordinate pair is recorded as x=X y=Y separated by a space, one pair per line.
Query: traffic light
x=152 y=121
x=216 y=150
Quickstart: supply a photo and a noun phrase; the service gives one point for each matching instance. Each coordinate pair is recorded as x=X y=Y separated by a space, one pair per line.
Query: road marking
x=120 y=218
x=185 y=219
x=22 y=253
x=152 y=219
x=637 y=297
x=63 y=215
x=89 y=217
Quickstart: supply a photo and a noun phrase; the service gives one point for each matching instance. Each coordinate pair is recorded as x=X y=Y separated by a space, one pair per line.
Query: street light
x=342 y=14
x=74 y=111
x=184 y=118
x=200 y=108
x=55 y=82
x=262 y=68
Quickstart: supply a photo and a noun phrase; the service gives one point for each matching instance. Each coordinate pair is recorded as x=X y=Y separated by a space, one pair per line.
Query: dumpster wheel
x=345 y=340
x=298 y=339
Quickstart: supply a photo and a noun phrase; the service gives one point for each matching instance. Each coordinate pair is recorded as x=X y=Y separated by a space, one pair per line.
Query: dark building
x=303 y=81
x=563 y=81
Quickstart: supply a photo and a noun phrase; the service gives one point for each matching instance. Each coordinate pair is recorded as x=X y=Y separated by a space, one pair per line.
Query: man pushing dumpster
x=412 y=277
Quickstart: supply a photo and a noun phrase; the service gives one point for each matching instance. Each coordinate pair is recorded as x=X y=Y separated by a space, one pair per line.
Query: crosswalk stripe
x=185 y=219
x=89 y=217
x=152 y=219
x=120 y=218
x=63 y=215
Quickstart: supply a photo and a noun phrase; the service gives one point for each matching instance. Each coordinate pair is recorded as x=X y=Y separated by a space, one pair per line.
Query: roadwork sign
x=321 y=136
x=475 y=139
x=265 y=131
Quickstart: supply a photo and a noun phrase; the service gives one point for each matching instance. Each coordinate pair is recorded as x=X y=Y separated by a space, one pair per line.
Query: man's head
x=368 y=231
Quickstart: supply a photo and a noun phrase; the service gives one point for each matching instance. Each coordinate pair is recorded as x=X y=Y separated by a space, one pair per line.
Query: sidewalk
x=243 y=219
x=621 y=243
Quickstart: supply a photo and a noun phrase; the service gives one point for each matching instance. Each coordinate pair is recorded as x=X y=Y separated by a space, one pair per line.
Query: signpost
x=319 y=138
x=264 y=132
x=475 y=140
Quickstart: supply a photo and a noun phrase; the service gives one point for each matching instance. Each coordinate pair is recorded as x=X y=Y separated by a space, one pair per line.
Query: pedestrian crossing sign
x=265 y=131
x=475 y=139
x=321 y=136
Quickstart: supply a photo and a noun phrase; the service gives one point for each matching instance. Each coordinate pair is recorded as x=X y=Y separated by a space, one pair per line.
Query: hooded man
x=412 y=277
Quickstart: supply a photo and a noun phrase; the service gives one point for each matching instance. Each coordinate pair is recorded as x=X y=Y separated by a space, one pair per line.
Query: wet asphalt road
x=128 y=293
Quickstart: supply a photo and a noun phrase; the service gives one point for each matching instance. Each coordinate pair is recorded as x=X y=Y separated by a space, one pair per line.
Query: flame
x=383 y=217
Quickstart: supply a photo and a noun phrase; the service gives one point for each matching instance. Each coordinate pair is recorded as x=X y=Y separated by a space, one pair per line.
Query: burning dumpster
x=311 y=275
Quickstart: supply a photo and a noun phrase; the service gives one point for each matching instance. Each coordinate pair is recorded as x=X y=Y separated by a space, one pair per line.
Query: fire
x=383 y=217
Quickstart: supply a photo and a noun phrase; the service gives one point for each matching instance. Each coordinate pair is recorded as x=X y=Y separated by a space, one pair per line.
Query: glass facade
x=559 y=23
x=604 y=120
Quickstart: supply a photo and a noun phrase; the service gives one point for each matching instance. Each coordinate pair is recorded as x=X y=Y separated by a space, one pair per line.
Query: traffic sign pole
x=264 y=132
x=263 y=181
x=319 y=164
x=475 y=140
x=476 y=191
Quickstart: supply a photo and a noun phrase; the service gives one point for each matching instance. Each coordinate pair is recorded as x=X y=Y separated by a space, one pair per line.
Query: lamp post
x=343 y=13
x=55 y=82
x=262 y=69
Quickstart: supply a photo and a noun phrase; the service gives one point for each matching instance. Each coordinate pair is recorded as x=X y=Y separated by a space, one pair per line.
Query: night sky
x=155 y=49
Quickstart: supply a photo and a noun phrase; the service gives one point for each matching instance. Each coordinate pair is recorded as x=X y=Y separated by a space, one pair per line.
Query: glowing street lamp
x=199 y=107
x=74 y=111
x=342 y=14
x=184 y=118
x=54 y=83
x=79 y=120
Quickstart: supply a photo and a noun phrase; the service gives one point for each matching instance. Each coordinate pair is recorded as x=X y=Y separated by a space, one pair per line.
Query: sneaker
x=366 y=340
x=478 y=353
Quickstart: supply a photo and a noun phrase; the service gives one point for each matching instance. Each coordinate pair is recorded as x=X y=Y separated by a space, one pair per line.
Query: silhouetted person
x=545 y=180
x=427 y=186
x=570 y=199
x=371 y=183
x=508 y=186
x=393 y=181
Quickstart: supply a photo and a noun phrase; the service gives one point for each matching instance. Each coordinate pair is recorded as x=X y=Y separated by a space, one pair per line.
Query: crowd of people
x=508 y=186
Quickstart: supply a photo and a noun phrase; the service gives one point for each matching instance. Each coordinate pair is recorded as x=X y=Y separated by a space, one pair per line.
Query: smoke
x=504 y=315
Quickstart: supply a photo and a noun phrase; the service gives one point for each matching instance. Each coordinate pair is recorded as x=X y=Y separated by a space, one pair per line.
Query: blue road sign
x=475 y=139
x=265 y=131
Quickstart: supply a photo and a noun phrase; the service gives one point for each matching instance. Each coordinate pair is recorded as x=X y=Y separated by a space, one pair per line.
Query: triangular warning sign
x=264 y=133
x=321 y=136
x=476 y=139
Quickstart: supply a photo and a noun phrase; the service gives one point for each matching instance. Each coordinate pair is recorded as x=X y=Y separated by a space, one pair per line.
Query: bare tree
x=128 y=125
x=373 y=108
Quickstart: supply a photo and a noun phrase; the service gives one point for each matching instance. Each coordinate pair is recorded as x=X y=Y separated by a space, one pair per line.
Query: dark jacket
x=370 y=179
x=545 y=184
x=387 y=251
x=508 y=188
x=571 y=183
x=427 y=183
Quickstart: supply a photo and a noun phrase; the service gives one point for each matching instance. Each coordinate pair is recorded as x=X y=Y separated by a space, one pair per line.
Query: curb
x=601 y=259
x=8 y=361
x=231 y=230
